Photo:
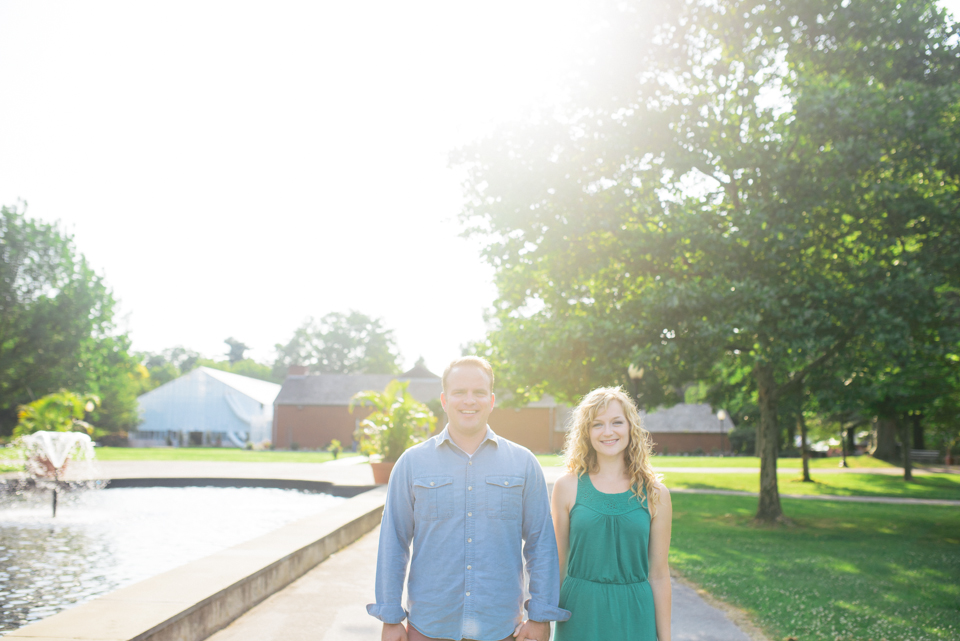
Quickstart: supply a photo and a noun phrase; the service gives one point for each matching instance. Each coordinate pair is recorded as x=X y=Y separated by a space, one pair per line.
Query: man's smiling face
x=468 y=399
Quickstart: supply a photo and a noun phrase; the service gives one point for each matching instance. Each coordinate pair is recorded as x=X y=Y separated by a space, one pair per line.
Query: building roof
x=263 y=392
x=685 y=418
x=338 y=389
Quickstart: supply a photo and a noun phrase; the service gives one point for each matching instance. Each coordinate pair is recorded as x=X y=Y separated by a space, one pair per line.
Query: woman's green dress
x=606 y=588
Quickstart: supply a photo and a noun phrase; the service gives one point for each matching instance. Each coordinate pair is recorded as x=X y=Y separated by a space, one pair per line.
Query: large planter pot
x=381 y=472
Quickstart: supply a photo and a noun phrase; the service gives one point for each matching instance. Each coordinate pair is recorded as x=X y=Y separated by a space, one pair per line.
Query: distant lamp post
x=636 y=373
x=721 y=416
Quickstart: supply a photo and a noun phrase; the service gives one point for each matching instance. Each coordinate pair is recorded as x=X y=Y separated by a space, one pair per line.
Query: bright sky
x=234 y=167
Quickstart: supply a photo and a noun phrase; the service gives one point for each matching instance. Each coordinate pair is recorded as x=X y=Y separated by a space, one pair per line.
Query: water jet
x=47 y=454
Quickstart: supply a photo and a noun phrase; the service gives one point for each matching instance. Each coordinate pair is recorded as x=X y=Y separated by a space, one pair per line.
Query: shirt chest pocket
x=433 y=497
x=504 y=497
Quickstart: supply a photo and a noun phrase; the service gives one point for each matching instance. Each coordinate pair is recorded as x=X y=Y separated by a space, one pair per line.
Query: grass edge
x=740 y=617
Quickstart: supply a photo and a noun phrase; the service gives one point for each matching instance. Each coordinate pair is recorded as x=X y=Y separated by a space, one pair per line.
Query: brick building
x=312 y=409
x=687 y=428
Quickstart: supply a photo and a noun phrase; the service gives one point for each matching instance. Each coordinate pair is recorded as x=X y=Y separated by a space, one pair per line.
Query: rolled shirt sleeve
x=540 y=549
x=396 y=534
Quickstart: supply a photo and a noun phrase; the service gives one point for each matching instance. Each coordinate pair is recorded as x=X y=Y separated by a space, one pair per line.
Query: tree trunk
x=843 y=446
x=886 y=446
x=804 y=452
x=851 y=440
x=792 y=428
x=918 y=440
x=905 y=446
x=769 y=509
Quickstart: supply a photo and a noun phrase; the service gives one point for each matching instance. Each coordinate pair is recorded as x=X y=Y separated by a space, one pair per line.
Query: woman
x=612 y=518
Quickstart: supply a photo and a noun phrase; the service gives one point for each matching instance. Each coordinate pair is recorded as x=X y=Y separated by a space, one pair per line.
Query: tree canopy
x=237 y=348
x=173 y=362
x=351 y=343
x=738 y=192
x=56 y=326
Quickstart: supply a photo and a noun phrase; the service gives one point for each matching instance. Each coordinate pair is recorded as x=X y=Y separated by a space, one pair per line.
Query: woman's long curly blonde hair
x=580 y=457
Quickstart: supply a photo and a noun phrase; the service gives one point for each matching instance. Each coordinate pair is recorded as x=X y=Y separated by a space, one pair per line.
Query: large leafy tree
x=351 y=343
x=734 y=187
x=56 y=326
x=901 y=376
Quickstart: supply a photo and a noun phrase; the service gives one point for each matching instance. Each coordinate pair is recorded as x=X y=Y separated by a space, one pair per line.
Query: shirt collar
x=489 y=436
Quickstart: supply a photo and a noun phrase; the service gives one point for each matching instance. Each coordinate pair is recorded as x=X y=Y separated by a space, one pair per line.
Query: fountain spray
x=48 y=453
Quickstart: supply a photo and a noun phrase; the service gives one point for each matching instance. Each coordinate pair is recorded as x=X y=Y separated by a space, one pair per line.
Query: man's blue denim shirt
x=472 y=523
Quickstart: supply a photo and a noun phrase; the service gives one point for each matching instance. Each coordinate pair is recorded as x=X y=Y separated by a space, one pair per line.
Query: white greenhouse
x=207 y=407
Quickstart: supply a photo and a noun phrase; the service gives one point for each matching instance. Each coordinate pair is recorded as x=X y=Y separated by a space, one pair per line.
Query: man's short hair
x=473 y=361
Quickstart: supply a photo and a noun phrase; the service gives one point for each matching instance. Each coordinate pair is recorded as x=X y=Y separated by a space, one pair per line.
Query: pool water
x=102 y=540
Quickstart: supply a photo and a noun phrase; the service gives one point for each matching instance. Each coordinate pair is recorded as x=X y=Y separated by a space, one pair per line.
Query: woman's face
x=610 y=431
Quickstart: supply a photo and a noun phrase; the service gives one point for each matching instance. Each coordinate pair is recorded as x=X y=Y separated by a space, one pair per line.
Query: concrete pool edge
x=193 y=601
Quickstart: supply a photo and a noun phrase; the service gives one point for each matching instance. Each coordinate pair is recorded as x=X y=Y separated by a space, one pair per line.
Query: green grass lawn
x=549 y=460
x=933 y=486
x=843 y=572
x=211 y=454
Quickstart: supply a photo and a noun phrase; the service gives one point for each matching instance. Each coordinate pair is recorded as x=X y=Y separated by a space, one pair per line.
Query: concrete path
x=883 y=471
x=893 y=500
x=355 y=471
x=328 y=604
x=553 y=473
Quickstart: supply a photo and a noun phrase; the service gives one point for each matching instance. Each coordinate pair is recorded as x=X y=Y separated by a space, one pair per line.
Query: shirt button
x=468 y=594
x=432 y=483
x=469 y=567
x=470 y=487
x=469 y=540
x=505 y=483
x=469 y=513
x=469 y=462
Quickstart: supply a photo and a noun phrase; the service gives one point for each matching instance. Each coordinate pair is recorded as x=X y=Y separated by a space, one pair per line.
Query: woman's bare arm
x=562 y=500
x=659 y=566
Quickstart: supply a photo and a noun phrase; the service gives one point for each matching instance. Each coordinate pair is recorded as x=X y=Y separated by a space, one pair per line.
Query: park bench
x=925 y=456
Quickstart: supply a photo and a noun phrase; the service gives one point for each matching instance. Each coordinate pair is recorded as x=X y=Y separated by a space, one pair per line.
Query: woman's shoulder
x=565 y=487
x=662 y=493
x=567 y=481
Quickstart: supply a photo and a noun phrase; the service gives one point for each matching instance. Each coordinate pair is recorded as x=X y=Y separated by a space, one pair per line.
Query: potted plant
x=398 y=422
x=335 y=448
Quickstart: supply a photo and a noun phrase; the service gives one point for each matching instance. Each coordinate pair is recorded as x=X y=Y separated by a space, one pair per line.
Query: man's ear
x=493 y=399
x=443 y=401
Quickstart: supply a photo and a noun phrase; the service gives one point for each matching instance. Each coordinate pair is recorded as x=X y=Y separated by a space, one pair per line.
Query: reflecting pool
x=107 y=539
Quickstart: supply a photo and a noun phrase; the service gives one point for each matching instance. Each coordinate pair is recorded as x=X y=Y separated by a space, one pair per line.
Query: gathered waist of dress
x=640 y=582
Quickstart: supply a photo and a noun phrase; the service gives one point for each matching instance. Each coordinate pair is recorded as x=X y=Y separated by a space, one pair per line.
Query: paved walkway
x=883 y=471
x=347 y=471
x=354 y=471
x=327 y=604
x=893 y=500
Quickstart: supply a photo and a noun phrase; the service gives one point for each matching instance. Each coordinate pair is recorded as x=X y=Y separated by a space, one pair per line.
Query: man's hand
x=393 y=632
x=533 y=630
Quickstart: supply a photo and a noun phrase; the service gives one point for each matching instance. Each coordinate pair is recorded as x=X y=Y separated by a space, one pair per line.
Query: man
x=461 y=507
